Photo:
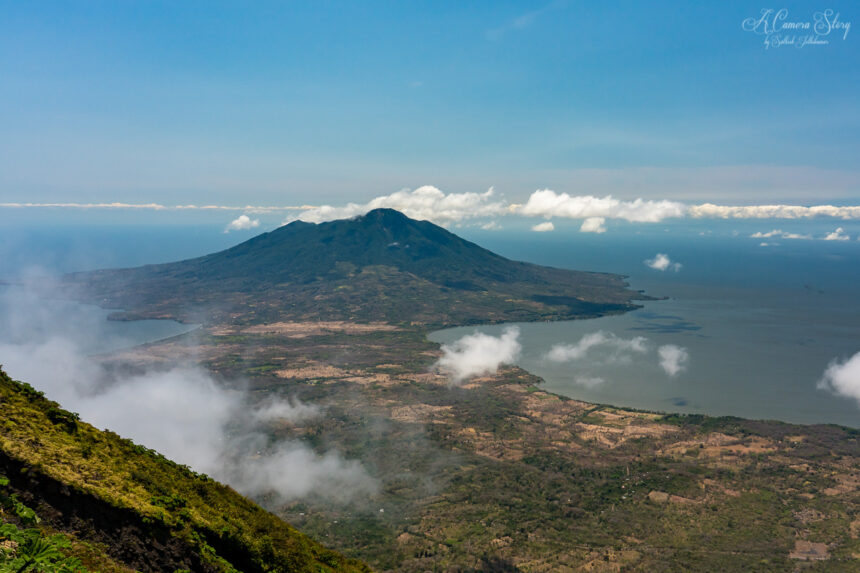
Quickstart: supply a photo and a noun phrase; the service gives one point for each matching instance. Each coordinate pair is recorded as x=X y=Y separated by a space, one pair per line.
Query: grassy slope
x=54 y=459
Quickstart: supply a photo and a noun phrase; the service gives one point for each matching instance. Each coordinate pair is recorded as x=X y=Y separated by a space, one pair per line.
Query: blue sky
x=328 y=102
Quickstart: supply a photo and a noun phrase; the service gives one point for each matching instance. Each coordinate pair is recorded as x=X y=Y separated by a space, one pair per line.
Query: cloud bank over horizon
x=483 y=209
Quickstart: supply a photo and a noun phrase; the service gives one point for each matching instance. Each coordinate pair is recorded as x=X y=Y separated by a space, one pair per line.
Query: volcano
x=382 y=266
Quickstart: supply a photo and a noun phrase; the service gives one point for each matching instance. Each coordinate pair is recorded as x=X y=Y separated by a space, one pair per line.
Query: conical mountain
x=379 y=266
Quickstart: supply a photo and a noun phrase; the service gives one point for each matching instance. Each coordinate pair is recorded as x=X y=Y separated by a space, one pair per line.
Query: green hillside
x=75 y=498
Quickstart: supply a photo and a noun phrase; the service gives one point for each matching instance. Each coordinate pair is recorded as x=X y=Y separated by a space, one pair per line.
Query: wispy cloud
x=838 y=234
x=588 y=381
x=478 y=354
x=711 y=211
x=779 y=234
x=544 y=227
x=522 y=21
x=662 y=262
x=600 y=348
x=843 y=378
x=242 y=223
x=617 y=348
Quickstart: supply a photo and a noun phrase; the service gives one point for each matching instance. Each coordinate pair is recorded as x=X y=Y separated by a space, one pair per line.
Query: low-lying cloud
x=673 y=359
x=662 y=262
x=843 y=378
x=479 y=354
x=185 y=414
x=242 y=223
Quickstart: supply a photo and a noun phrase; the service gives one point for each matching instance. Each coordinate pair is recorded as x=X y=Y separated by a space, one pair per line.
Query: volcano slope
x=494 y=474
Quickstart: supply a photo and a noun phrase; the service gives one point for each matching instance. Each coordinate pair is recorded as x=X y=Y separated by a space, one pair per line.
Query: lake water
x=760 y=324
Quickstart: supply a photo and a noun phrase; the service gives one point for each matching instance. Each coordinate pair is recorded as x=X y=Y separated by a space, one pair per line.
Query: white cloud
x=617 y=348
x=673 y=359
x=242 y=223
x=478 y=354
x=429 y=203
x=491 y=226
x=837 y=235
x=662 y=262
x=425 y=203
x=843 y=378
x=778 y=233
x=544 y=227
x=593 y=225
x=711 y=211
x=548 y=203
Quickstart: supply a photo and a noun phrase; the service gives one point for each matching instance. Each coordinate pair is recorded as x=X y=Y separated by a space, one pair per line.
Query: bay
x=759 y=326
